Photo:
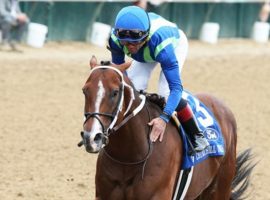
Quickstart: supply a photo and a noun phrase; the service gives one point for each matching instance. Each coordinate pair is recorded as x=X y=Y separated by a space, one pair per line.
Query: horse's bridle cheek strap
x=120 y=101
x=132 y=97
x=118 y=108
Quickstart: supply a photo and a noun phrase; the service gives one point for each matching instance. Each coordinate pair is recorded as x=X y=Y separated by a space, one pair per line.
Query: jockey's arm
x=170 y=69
x=176 y=88
x=159 y=124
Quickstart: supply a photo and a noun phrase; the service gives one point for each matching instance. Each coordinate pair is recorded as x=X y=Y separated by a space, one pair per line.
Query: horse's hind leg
x=220 y=188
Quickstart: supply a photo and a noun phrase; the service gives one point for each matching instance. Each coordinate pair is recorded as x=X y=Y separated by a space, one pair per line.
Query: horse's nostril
x=82 y=133
x=98 y=137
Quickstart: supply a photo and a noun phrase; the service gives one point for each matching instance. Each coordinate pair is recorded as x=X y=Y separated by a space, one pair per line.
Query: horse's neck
x=131 y=142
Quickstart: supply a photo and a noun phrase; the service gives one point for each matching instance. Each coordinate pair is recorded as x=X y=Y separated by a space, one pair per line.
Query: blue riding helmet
x=132 y=24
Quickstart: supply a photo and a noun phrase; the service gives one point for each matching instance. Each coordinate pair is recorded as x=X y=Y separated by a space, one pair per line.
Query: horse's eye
x=115 y=93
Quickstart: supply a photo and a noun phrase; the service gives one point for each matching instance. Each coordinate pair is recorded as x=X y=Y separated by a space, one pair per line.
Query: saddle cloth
x=210 y=128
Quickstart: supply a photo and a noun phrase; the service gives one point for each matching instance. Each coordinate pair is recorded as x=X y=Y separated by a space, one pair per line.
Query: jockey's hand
x=158 y=129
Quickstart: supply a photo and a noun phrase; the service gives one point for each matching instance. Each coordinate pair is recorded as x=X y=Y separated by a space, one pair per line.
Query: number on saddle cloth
x=210 y=128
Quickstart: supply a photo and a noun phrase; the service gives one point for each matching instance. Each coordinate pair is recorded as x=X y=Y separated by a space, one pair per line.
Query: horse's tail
x=241 y=180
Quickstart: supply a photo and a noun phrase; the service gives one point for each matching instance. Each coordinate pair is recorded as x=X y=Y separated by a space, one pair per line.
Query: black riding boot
x=189 y=123
x=196 y=136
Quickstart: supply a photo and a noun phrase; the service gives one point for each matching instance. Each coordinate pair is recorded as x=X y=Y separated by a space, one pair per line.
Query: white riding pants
x=139 y=73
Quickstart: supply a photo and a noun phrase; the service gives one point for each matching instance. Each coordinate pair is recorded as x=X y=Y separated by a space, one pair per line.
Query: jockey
x=150 y=39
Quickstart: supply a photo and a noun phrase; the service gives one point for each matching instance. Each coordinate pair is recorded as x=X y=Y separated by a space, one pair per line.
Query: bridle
x=114 y=116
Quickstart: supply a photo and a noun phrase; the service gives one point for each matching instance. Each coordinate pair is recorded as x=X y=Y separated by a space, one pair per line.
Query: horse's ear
x=93 y=62
x=123 y=67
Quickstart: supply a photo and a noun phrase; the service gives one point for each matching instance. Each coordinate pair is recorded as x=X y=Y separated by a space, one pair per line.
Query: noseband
x=95 y=115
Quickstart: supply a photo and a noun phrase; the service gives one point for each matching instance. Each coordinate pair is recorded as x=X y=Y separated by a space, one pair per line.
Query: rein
x=134 y=112
x=150 y=147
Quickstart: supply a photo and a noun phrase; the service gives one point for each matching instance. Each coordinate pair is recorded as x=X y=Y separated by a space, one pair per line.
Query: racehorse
x=129 y=166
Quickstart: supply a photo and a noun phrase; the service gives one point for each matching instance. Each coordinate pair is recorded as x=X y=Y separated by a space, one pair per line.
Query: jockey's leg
x=139 y=74
x=190 y=125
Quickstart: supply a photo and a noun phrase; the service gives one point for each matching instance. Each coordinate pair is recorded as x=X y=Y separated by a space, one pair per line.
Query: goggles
x=125 y=42
x=131 y=35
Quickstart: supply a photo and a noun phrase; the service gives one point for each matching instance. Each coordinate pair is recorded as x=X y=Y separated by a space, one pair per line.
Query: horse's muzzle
x=93 y=143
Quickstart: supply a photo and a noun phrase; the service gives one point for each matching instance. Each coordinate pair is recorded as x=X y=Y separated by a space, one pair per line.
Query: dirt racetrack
x=41 y=110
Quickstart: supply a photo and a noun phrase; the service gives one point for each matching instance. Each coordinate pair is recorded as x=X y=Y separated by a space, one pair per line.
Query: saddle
x=190 y=158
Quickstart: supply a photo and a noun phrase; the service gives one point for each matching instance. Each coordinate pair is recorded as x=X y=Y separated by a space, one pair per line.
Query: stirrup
x=200 y=144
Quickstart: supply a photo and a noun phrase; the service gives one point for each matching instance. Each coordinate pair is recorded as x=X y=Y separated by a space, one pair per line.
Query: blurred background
x=74 y=19
x=41 y=101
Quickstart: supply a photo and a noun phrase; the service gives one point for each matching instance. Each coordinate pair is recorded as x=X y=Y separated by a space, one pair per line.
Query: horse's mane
x=155 y=99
